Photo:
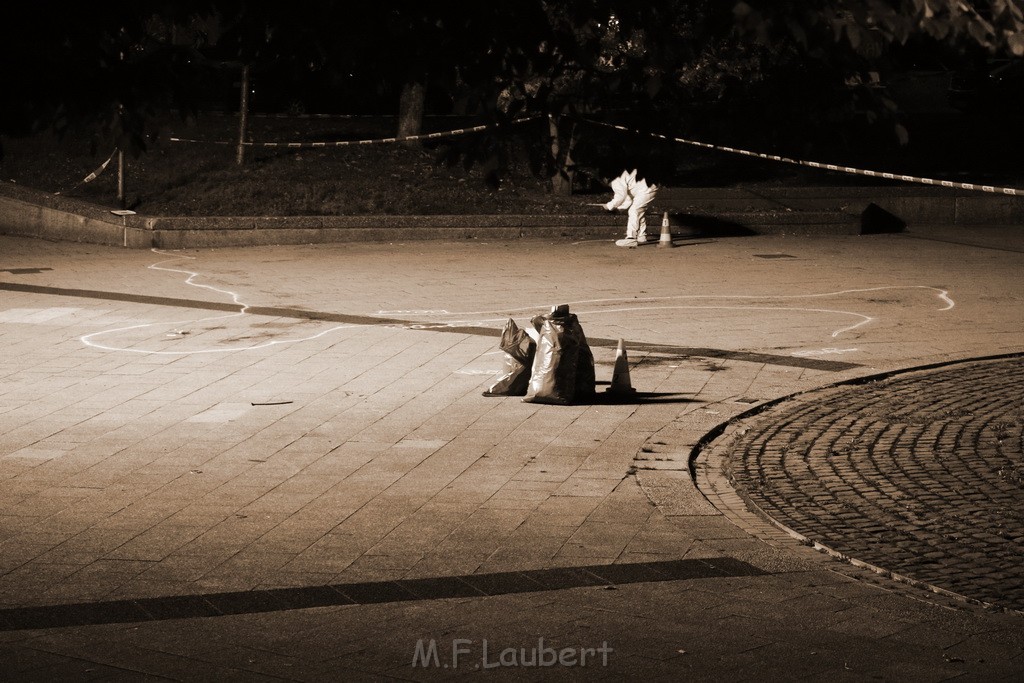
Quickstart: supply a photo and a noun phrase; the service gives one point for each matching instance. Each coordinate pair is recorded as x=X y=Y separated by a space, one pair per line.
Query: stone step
x=692 y=212
x=763 y=222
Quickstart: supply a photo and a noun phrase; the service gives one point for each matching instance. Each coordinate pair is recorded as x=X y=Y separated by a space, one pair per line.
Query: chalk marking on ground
x=415 y=312
x=235 y=298
x=942 y=294
x=88 y=339
x=865 y=319
x=823 y=352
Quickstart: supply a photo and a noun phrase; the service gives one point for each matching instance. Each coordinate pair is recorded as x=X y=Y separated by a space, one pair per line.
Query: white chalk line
x=823 y=352
x=864 y=319
x=427 y=311
x=942 y=294
x=88 y=339
x=235 y=298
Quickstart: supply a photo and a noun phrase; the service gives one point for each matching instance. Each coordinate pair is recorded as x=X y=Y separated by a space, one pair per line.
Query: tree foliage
x=780 y=67
x=868 y=26
x=103 y=68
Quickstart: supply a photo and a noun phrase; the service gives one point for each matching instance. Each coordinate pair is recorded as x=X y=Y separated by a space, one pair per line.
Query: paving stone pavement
x=276 y=462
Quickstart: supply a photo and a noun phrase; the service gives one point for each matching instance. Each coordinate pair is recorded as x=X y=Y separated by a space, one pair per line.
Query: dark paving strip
x=374 y=593
x=963 y=244
x=667 y=349
x=346 y=319
x=118 y=296
x=747 y=356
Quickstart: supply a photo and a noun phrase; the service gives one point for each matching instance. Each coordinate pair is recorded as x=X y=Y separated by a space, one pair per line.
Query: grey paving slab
x=234 y=421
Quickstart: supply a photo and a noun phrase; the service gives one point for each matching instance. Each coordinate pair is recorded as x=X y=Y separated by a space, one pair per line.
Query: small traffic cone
x=621 y=383
x=666 y=233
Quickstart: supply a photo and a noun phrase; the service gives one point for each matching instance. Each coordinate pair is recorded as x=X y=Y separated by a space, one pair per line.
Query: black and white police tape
x=827 y=167
x=296 y=145
x=343 y=117
x=92 y=176
x=352 y=143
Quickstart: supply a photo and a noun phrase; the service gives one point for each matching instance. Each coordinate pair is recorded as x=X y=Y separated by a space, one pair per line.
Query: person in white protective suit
x=632 y=196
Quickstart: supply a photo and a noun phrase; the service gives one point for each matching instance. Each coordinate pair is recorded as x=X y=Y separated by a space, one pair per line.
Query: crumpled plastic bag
x=519 y=351
x=563 y=366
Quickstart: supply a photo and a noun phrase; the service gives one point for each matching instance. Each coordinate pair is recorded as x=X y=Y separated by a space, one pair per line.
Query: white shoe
x=626 y=242
x=642 y=239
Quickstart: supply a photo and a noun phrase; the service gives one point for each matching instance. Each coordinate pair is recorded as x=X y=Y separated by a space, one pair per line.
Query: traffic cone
x=666 y=233
x=621 y=383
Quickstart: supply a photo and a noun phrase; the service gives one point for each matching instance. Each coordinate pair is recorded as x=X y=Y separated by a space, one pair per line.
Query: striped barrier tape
x=261 y=115
x=348 y=143
x=828 y=167
x=92 y=176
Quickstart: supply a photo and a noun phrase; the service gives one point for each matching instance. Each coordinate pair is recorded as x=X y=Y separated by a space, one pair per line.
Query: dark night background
x=912 y=87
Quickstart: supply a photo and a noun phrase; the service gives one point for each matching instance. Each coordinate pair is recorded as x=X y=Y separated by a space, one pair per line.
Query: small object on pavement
x=519 y=350
x=621 y=383
x=563 y=367
x=666 y=233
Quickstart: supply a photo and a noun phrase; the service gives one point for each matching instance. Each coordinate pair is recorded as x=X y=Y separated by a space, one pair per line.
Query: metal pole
x=243 y=115
x=120 y=153
x=120 y=179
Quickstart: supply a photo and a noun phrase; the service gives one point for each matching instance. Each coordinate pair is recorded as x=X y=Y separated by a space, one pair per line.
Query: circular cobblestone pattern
x=921 y=474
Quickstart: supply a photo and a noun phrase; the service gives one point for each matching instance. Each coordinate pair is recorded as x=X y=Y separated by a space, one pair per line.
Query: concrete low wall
x=235 y=231
x=31 y=213
x=723 y=211
x=28 y=212
x=915 y=204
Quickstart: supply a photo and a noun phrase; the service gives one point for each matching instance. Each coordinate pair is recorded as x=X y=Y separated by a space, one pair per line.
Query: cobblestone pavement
x=921 y=474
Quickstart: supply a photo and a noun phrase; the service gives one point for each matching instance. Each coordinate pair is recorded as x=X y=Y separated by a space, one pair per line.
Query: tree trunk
x=410 y=111
x=243 y=116
x=561 y=158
